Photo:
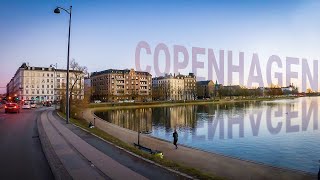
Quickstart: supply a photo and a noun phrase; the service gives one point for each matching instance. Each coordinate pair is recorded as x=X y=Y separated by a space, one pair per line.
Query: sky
x=105 y=33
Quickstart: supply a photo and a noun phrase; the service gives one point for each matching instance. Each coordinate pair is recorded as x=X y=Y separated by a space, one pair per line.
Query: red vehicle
x=12 y=107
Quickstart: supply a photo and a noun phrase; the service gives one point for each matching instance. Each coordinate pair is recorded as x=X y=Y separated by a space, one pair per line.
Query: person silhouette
x=175 y=138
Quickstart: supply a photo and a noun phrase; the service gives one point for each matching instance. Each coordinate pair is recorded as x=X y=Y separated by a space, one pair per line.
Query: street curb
x=135 y=155
x=56 y=166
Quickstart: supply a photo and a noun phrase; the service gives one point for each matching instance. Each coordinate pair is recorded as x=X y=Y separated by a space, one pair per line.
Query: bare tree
x=77 y=73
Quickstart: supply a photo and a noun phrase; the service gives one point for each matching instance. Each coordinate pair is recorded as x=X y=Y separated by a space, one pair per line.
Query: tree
x=76 y=90
x=165 y=90
x=309 y=90
x=76 y=75
x=194 y=93
x=156 y=93
x=134 y=94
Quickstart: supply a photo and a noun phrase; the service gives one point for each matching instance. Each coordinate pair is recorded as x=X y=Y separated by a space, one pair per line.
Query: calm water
x=283 y=133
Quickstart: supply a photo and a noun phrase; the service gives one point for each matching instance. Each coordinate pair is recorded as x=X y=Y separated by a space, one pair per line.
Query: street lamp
x=54 y=83
x=57 y=11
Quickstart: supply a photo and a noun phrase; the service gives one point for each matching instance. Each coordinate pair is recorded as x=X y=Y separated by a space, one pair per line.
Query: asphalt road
x=21 y=155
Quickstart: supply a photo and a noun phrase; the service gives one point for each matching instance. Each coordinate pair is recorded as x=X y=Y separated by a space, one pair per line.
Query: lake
x=283 y=133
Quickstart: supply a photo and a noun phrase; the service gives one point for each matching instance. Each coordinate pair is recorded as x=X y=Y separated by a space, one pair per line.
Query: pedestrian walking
x=175 y=138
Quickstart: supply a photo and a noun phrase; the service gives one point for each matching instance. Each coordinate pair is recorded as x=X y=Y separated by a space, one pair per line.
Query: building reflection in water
x=223 y=121
x=272 y=132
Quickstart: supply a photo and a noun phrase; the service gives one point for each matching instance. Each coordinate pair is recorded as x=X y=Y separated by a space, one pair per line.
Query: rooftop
x=117 y=71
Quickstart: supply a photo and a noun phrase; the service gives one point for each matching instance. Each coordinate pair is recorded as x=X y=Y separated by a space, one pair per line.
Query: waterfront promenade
x=215 y=164
x=70 y=157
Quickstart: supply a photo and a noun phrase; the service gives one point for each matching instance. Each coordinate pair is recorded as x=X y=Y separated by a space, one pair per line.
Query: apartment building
x=190 y=91
x=174 y=87
x=43 y=83
x=205 y=89
x=119 y=85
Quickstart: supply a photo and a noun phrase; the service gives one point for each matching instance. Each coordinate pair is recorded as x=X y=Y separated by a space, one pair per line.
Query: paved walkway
x=208 y=162
x=135 y=163
x=81 y=160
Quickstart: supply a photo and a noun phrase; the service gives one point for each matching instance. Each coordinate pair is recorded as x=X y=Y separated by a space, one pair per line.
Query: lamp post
x=54 y=83
x=57 y=11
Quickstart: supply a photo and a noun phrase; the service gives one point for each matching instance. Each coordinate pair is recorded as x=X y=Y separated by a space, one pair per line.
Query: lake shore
x=116 y=106
x=211 y=163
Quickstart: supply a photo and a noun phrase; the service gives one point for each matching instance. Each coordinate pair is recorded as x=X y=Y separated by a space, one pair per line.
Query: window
x=42 y=91
x=51 y=75
x=47 y=80
x=47 y=74
x=42 y=86
x=51 y=92
x=47 y=86
x=51 y=86
x=37 y=91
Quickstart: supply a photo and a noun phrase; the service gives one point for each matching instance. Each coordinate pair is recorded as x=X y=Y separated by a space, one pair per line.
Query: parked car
x=47 y=103
x=12 y=107
x=33 y=105
x=97 y=101
x=26 y=105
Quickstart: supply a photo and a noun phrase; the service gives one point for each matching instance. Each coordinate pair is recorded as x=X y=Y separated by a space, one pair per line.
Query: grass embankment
x=164 y=162
x=109 y=106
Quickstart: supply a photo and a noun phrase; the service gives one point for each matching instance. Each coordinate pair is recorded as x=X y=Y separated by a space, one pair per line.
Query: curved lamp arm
x=58 y=11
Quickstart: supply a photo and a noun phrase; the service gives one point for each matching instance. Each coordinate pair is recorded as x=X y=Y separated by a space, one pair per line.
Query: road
x=21 y=155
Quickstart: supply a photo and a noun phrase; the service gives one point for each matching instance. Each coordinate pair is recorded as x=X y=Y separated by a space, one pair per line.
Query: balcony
x=120 y=78
x=120 y=82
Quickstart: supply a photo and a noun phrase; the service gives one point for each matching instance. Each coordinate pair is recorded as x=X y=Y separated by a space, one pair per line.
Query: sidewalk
x=80 y=160
x=216 y=164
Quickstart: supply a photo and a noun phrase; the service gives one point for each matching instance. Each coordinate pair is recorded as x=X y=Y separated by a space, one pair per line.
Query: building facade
x=118 y=85
x=43 y=83
x=174 y=87
x=205 y=89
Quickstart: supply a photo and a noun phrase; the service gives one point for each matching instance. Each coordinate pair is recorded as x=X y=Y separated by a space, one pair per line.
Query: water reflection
x=281 y=133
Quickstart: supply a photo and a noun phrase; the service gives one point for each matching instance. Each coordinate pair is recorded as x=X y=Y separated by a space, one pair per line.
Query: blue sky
x=105 y=33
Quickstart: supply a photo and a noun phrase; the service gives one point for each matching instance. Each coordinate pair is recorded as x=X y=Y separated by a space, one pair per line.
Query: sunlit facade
x=119 y=85
x=174 y=87
x=41 y=83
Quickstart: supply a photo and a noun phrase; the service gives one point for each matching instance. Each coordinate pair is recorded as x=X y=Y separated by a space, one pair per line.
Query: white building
x=42 y=83
x=172 y=87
